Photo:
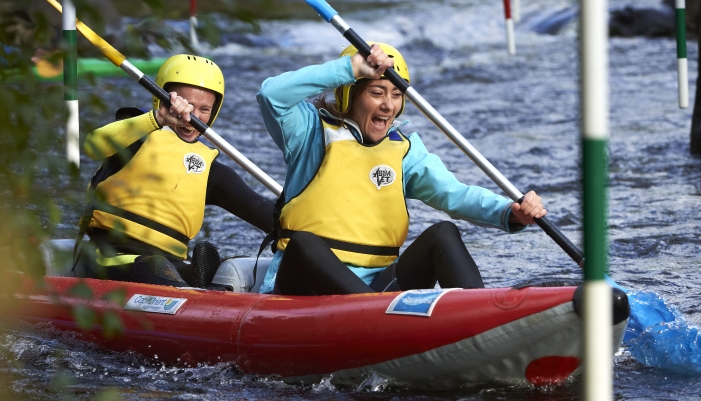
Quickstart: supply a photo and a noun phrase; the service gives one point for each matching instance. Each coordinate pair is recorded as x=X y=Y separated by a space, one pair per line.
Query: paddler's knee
x=156 y=269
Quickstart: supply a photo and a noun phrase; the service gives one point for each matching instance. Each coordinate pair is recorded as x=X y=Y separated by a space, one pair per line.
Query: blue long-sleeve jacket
x=296 y=128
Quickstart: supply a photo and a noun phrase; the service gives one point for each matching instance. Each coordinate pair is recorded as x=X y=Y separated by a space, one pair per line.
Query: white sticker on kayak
x=151 y=303
x=416 y=302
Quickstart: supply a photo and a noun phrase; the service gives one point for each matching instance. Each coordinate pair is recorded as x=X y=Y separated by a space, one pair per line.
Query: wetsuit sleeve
x=289 y=119
x=427 y=179
x=226 y=189
x=111 y=138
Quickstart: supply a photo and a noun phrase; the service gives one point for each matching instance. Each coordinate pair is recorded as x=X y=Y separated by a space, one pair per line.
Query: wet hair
x=329 y=103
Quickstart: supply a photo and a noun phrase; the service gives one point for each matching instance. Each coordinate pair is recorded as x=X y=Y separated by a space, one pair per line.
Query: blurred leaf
x=84 y=316
x=90 y=15
x=158 y=7
x=111 y=324
x=81 y=290
x=54 y=213
x=249 y=18
x=208 y=30
x=96 y=104
x=110 y=394
x=117 y=296
x=62 y=380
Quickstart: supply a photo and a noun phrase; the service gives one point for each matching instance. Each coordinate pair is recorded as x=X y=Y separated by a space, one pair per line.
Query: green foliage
x=81 y=290
x=62 y=380
x=111 y=324
x=118 y=296
x=110 y=394
x=85 y=317
x=40 y=193
x=32 y=168
x=208 y=30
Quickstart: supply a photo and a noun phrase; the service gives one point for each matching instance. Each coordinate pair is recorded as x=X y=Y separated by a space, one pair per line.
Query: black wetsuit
x=309 y=267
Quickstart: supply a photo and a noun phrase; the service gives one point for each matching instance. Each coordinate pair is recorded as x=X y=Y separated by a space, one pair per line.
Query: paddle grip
x=364 y=49
x=164 y=97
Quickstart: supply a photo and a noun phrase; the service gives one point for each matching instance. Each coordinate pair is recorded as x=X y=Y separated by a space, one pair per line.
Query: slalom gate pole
x=517 y=11
x=119 y=60
x=331 y=16
x=70 y=83
x=193 y=24
x=597 y=363
x=509 y=23
x=682 y=64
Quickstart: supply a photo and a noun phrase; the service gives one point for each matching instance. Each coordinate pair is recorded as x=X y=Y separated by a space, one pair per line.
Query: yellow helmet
x=342 y=93
x=192 y=70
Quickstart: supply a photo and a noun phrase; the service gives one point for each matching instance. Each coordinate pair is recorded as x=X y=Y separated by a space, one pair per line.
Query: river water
x=522 y=113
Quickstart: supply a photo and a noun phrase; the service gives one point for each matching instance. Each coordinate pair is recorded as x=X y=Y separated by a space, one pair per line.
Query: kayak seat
x=238 y=273
x=57 y=255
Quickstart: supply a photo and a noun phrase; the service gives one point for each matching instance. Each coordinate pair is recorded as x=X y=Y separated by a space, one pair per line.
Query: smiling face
x=375 y=107
x=203 y=101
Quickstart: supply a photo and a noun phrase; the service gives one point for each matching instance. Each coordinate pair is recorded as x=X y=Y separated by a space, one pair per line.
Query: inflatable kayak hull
x=427 y=339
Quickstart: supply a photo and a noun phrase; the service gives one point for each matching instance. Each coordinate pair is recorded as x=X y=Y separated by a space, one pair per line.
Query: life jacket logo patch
x=194 y=163
x=382 y=175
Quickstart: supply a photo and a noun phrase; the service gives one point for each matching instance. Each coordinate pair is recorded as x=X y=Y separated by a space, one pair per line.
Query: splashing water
x=658 y=335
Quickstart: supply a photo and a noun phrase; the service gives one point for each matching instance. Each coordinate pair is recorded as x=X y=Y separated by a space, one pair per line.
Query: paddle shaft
x=205 y=130
x=550 y=229
x=120 y=61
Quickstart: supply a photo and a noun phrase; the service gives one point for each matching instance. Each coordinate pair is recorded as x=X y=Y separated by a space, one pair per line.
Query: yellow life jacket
x=158 y=197
x=355 y=202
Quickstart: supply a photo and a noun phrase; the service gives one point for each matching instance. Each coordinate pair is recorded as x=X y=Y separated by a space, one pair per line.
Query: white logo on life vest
x=382 y=175
x=194 y=163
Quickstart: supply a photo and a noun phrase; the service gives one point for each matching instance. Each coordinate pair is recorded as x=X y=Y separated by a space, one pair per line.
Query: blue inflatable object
x=659 y=336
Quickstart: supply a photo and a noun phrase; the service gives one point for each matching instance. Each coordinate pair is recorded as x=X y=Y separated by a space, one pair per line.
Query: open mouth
x=380 y=122
x=187 y=132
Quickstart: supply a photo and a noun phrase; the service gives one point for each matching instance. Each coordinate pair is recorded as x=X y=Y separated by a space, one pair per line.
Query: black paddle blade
x=205 y=262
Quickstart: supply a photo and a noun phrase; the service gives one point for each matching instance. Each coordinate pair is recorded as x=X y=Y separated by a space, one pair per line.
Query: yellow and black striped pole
x=682 y=65
x=70 y=81
x=119 y=60
x=598 y=367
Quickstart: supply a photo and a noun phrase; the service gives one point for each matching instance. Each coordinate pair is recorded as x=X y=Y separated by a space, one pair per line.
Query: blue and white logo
x=154 y=304
x=416 y=302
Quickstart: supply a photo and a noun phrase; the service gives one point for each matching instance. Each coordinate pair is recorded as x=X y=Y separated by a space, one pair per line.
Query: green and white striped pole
x=598 y=369
x=70 y=81
x=682 y=67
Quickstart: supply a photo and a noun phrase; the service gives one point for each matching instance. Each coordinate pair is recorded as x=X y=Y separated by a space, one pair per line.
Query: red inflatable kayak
x=428 y=339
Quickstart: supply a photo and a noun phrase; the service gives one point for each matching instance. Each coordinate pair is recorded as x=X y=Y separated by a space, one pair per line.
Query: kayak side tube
x=528 y=335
